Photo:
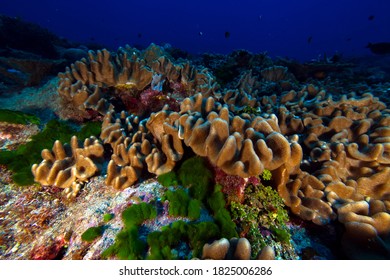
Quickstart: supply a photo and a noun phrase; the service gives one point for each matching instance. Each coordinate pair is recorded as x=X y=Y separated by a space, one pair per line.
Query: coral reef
x=241 y=146
x=128 y=79
x=321 y=152
x=346 y=140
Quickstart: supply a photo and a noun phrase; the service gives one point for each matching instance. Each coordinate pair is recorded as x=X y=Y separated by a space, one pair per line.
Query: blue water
x=301 y=29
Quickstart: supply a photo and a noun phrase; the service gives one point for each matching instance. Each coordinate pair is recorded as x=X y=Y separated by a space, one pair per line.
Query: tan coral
x=69 y=166
x=363 y=229
x=132 y=143
x=81 y=83
x=235 y=248
x=216 y=250
x=267 y=253
x=348 y=139
x=242 y=248
x=91 y=83
x=237 y=146
x=121 y=177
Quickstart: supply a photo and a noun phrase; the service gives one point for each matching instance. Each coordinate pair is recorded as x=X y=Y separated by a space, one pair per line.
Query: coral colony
x=173 y=162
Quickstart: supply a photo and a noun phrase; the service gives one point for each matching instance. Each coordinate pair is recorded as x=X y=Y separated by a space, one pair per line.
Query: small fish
x=371 y=17
x=349 y=39
x=14 y=71
x=139 y=35
x=379 y=48
x=260 y=17
x=227 y=34
x=309 y=39
x=200 y=33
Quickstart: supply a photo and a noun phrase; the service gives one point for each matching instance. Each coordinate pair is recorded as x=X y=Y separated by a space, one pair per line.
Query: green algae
x=190 y=189
x=195 y=175
x=138 y=213
x=168 y=179
x=163 y=243
x=108 y=217
x=266 y=175
x=182 y=205
x=192 y=174
x=92 y=233
x=18 y=117
x=128 y=245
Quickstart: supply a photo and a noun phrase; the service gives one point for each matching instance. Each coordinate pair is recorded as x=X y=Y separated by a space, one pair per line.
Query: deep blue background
x=280 y=27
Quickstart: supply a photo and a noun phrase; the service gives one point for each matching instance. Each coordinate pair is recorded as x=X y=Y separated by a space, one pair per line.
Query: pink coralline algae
x=149 y=100
x=232 y=185
x=154 y=100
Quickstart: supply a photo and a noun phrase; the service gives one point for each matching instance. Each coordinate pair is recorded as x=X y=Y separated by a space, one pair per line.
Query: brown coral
x=235 y=249
x=69 y=166
x=347 y=138
x=131 y=143
x=239 y=146
x=106 y=80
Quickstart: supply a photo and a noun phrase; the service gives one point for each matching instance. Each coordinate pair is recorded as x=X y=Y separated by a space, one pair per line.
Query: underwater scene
x=176 y=130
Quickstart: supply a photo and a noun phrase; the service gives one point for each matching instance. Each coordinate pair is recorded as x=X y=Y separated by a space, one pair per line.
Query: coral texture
x=239 y=146
x=106 y=80
x=329 y=154
x=346 y=138
x=236 y=249
x=69 y=166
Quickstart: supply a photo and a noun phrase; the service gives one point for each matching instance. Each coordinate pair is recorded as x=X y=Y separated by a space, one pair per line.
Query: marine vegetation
x=128 y=245
x=261 y=216
x=16 y=117
x=92 y=233
x=193 y=174
x=164 y=244
x=181 y=204
x=161 y=244
x=108 y=217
